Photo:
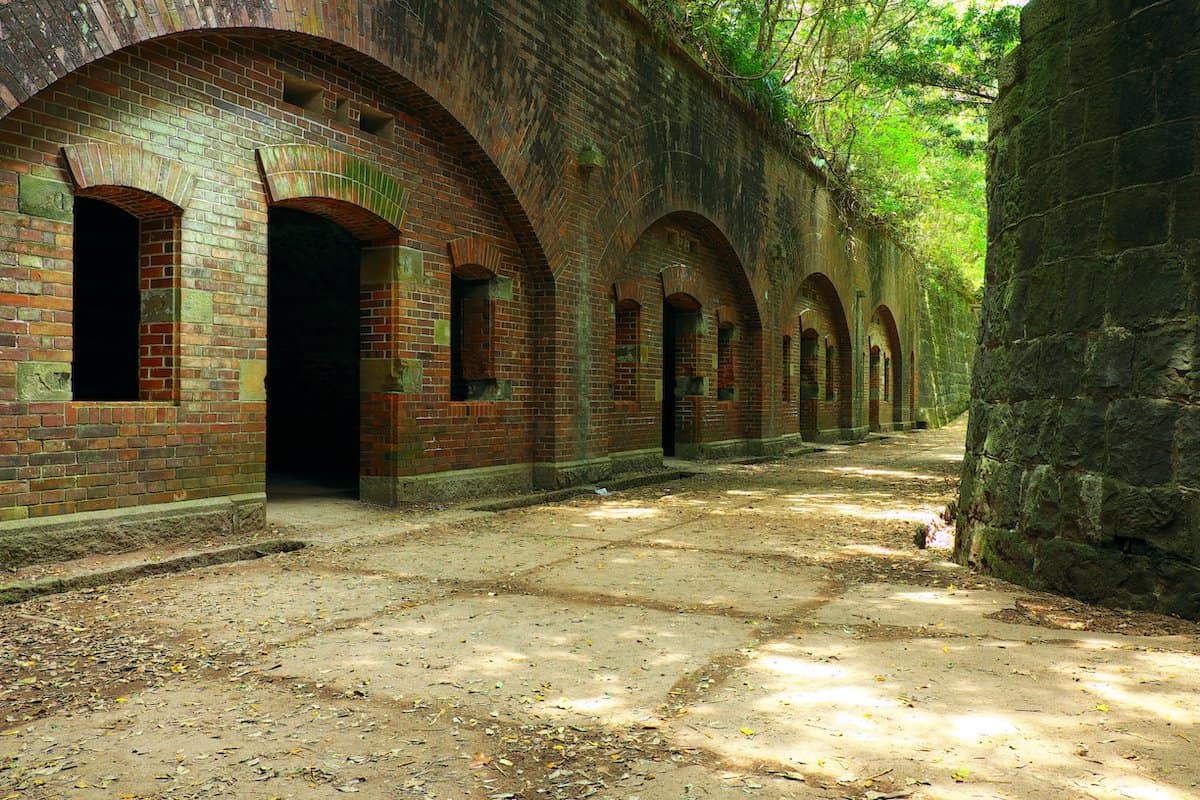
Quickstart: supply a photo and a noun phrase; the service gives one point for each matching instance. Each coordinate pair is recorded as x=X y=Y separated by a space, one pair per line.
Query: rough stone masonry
x=1083 y=453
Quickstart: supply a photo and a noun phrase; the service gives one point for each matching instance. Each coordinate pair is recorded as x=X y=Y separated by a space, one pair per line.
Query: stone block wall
x=1083 y=461
x=949 y=338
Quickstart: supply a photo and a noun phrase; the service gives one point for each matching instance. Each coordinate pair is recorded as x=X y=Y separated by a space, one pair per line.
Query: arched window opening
x=107 y=302
x=726 y=373
x=830 y=371
x=874 y=385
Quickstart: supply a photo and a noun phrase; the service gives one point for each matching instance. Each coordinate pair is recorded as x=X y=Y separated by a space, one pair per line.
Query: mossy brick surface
x=476 y=170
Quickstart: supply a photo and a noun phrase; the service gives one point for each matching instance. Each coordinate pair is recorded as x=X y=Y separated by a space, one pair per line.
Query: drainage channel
x=20 y=592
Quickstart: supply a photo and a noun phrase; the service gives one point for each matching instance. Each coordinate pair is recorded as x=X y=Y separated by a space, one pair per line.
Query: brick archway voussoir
x=302 y=175
x=475 y=257
x=683 y=279
x=104 y=170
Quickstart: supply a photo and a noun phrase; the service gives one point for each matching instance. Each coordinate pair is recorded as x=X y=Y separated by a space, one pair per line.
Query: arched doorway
x=681 y=322
x=313 y=355
x=912 y=387
x=699 y=336
x=887 y=383
x=875 y=392
x=825 y=361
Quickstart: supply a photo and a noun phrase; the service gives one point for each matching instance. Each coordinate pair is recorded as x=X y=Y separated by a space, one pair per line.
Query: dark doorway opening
x=874 y=390
x=669 y=369
x=810 y=383
x=313 y=353
x=106 y=308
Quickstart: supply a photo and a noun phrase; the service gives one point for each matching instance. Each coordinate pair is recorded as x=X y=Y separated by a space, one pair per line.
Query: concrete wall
x=1083 y=459
x=539 y=143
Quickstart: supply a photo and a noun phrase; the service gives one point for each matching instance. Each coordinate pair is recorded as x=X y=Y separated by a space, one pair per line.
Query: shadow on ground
x=767 y=630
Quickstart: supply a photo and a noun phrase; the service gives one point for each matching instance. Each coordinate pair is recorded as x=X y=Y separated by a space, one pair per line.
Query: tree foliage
x=892 y=94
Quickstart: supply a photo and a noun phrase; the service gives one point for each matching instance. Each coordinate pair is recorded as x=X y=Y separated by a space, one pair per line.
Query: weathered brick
x=181 y=119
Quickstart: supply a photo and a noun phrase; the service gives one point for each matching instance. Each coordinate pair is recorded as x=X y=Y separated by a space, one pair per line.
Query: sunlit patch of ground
x=767 y=630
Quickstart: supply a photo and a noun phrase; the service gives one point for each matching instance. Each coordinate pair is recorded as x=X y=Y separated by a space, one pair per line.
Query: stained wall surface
x=511 y=172
x=1083 y=453
x=948 y=343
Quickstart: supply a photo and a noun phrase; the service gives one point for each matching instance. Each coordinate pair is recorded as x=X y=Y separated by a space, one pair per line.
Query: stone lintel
x=384 y=265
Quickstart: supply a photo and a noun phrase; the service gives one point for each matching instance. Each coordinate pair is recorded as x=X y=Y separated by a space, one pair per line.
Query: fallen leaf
x=791 y=776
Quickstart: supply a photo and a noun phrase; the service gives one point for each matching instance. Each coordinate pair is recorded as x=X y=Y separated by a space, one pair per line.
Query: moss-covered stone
x=1080 y=472
x=43 y=381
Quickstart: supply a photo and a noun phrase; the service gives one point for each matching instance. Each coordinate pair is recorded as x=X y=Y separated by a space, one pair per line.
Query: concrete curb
x=20 y=592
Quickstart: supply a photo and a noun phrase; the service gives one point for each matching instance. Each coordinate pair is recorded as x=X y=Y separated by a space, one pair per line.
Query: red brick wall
x=158 y=359
x=485 y=152
x=715 y=279
x=221 y=97
x=826 y=403
x=627 y=352
x=881 y=336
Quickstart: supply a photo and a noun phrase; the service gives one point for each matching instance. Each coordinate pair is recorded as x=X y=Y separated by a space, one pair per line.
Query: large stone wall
x=559 y=151
x=1083 y=455
x=949 y=338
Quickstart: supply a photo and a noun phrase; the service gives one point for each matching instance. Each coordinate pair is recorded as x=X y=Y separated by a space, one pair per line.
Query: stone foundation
x=34 y=541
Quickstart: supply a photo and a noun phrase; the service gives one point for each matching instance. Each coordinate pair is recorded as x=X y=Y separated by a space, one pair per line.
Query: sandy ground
x=768 y=631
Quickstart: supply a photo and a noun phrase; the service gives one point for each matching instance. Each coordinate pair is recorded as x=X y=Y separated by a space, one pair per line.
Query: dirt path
x=767 y=630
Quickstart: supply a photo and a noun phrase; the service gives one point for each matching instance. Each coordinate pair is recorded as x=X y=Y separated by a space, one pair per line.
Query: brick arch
x=883 y=318
x=475 y=257
x=887 y=320
x=751 y=290
x=628 y=294
x=680 y=280
x=684 y=261
x=365 y=200
x=436 y=76
x=822 y=316
x=143 y=183
x=656 y=173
